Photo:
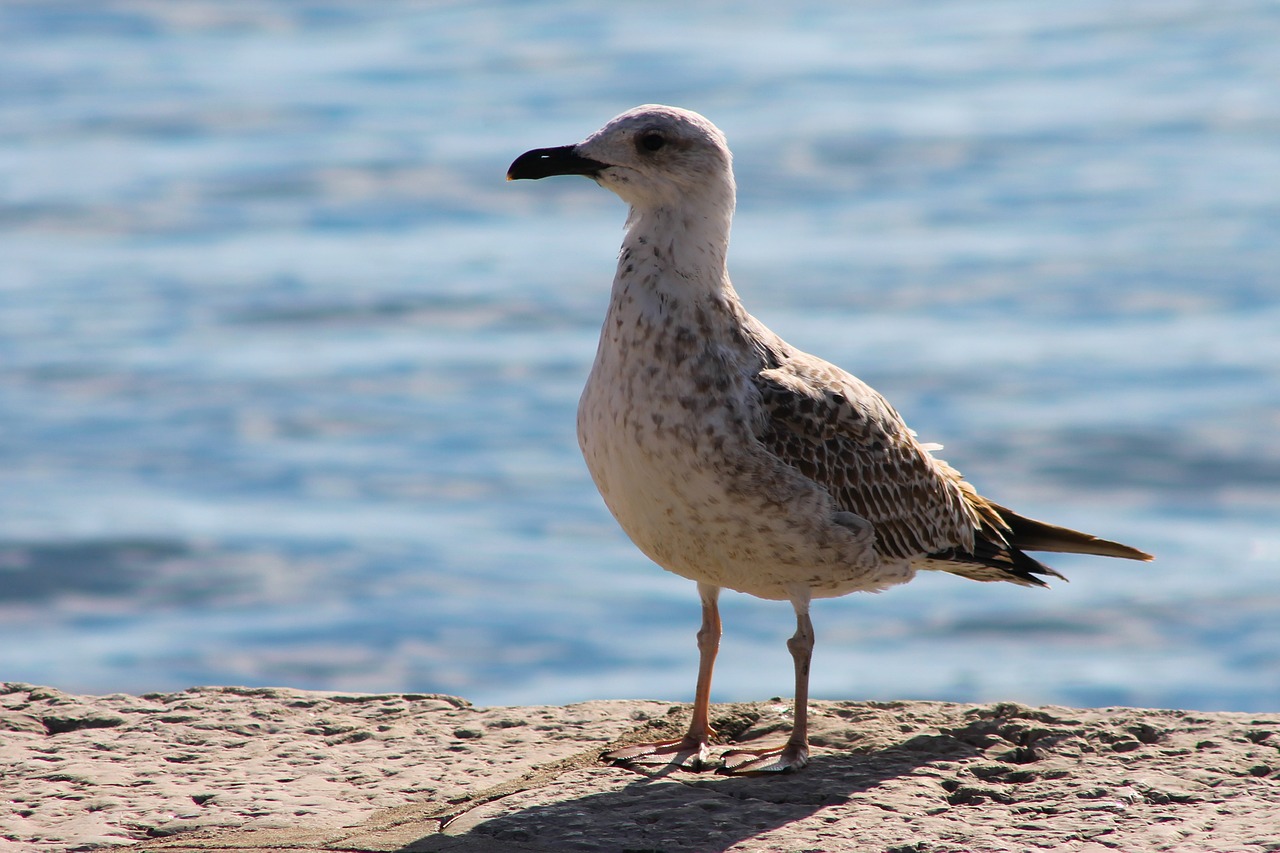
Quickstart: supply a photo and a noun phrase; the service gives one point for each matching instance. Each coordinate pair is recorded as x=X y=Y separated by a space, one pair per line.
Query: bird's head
x=651 y=156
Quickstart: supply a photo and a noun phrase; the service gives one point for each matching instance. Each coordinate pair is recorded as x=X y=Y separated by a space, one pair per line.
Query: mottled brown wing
x=839 y=432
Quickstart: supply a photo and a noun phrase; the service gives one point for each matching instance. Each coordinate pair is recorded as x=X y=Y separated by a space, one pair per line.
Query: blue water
x=288 y=372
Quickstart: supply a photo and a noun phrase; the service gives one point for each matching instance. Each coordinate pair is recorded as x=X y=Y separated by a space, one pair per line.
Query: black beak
x=545 y=162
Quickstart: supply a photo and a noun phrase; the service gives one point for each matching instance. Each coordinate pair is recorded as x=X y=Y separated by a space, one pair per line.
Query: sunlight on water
x=288 y=373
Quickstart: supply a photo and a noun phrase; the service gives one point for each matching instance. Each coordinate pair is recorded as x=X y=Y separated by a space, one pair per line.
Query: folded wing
x=842 y=434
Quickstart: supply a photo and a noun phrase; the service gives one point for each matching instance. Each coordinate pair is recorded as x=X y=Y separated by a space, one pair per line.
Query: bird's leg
x=692 y=750
x=794 y=754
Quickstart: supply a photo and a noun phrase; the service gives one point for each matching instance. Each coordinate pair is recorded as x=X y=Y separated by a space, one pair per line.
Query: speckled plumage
x=730 y=457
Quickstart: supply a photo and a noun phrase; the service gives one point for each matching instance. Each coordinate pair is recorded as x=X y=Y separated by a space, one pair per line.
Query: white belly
x=687 y=481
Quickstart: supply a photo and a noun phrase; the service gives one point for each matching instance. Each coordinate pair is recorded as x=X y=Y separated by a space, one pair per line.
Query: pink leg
x=692 y=750
x=794 y=754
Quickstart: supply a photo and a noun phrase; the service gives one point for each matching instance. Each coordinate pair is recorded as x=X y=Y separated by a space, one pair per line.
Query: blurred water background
x=288 y=373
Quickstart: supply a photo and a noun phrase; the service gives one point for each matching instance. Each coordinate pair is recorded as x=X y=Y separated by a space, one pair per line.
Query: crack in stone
x=731 y=722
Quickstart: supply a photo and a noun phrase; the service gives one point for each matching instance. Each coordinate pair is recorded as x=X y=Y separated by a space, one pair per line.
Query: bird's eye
x=652 y=141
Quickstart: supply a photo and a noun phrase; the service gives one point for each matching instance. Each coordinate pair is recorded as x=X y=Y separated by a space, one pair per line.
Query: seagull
x=733 y=459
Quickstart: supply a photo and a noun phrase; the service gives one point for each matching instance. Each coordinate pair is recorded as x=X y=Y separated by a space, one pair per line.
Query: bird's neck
x=672 y=292
x=679 y=254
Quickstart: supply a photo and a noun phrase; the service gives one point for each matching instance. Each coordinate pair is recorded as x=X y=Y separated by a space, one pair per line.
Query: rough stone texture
x=273 y=769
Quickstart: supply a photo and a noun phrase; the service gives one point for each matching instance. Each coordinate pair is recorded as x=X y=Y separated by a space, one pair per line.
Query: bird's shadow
x=677 y=811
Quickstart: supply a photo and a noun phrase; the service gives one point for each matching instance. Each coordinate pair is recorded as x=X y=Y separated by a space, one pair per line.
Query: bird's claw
x=782 y=759
x=686 y=753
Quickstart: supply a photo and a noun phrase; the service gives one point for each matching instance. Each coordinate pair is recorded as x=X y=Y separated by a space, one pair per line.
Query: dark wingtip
x=1033 y=535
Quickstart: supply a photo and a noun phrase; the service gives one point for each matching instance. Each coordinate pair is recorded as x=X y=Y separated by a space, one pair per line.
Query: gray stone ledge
x=227 y=768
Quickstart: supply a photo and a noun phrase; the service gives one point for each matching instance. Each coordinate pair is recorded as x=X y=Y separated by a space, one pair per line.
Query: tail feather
x=1032 y=535
x=1001 y=538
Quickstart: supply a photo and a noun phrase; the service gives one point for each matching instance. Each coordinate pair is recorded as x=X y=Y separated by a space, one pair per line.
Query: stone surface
x=277 y=769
